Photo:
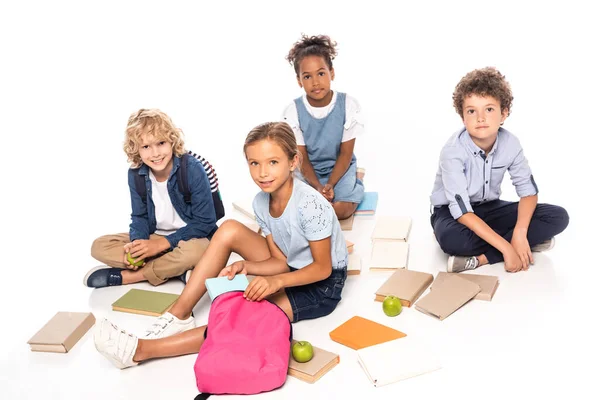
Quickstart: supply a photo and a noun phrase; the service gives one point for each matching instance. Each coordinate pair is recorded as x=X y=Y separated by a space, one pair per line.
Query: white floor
x=72 y=72
x=531 y=339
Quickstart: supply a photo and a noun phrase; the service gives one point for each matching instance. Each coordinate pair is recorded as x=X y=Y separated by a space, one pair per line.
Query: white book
x=392 y=228
x=389 y=256
x=245 y=207
x=397 y=360
x=354 y=264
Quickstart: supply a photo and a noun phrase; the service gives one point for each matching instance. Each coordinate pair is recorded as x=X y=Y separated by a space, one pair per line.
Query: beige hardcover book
x=447 y=297
x=60 y=334
x=349 y=246
x=487 y=283
x=405 y=284
x=354 y=264
x=392 y=228
x=346 y=224
x=245 y=207
x=397 y=360
x=321 y=363
x=389 y=256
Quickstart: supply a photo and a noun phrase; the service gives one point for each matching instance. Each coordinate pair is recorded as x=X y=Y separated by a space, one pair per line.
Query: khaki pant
x=109 y=250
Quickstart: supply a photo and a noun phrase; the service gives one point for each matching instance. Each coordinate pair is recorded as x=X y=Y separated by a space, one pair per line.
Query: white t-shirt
x=167 y=219
x=353 y=127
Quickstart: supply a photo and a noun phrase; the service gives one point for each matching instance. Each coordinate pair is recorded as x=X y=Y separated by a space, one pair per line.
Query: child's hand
x=128 y=265
x=512 y=261
x=232 y=270
x=261 y=287
x=327 y=191
x=521 y=245
x=145 y=249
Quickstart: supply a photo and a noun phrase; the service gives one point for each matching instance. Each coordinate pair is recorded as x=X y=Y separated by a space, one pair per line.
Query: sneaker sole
x=450 y=262
x=90 y=272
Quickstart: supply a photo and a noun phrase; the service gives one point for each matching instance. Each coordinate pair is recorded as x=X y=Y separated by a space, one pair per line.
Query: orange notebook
x=359 y=332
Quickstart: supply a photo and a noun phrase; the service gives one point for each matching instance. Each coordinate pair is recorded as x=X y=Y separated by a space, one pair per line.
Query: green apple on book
x=131 y=261
x=302 y=351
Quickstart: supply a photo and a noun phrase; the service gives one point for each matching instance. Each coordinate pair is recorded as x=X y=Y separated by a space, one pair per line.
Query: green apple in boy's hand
x=131 y=261
x=392 y=306
x=302 y=351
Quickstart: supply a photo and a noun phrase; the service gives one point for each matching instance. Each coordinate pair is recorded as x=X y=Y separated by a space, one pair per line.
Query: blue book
x=217 y=286
x=368 y=205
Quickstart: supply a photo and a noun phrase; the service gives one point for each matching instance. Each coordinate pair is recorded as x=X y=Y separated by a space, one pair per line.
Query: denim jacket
x=199 y=215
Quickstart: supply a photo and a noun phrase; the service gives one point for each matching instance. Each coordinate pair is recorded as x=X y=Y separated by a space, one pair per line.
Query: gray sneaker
x=460 y=264
x=544 y=246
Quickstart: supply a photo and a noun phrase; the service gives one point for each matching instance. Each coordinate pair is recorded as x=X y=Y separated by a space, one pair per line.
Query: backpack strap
x=140 y=186
x=182 y=180
x=202 y=396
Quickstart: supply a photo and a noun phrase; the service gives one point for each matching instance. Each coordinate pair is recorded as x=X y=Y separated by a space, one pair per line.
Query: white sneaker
x=169 y=325
x=115 y=344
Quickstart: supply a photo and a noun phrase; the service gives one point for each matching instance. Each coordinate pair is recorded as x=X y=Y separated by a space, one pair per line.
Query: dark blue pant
x=456 y=239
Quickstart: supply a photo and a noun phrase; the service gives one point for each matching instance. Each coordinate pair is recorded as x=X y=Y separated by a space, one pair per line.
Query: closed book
x=405 y=284
x=145 y=302
x=487 y=283
x=397 y=360
x=447 y=297
x=389 y=256
x=368 y=205
x=346 y=224
x=354 y=264
x=60 y=334
x=245 y=207
x=311 y=371
x=392 y=228
x=220 y=285
x=359 y=332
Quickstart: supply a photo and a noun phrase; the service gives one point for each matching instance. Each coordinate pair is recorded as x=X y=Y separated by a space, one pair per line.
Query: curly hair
x=155 y=123
x=320 y=45
x=278 y=132
x=483 y=82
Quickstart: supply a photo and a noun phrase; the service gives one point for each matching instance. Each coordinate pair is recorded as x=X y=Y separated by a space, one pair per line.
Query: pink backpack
x=247 y=347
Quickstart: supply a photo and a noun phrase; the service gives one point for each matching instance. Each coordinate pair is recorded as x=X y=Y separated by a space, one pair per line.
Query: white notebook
x=245 y=207
x=397 y=360
x=392 y=228
x=389 y=256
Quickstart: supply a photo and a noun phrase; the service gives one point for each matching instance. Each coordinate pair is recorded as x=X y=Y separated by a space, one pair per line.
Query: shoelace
x=161 y=324
x=472 y=263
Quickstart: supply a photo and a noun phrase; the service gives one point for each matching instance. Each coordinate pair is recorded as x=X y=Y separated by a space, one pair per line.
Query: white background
x=72 y=72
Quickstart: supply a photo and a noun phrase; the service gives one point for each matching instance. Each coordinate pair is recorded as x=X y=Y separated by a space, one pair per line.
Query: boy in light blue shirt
x=469 y=220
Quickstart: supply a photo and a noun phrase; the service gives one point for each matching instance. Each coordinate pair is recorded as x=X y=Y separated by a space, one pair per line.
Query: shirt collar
x=473 y=149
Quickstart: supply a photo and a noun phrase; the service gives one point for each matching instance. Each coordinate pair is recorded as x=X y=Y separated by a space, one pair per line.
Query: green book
x=145 y=302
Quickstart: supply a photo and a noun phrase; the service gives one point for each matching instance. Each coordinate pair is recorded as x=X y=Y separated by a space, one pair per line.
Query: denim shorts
x=317 y=299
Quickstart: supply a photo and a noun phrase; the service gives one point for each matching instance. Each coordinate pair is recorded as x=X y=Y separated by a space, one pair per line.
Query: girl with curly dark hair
x=326 y=124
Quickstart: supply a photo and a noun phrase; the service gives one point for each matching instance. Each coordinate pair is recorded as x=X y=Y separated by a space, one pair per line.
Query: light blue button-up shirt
x=466 y=176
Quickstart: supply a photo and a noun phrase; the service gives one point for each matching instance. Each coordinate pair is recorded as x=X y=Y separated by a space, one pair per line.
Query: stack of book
x=449 y=292
x=389 y=243
x=368 y=205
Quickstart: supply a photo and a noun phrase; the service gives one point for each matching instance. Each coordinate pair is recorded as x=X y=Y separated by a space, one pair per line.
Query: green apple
x=392 y=306
x=131 y=261
x=302 y=351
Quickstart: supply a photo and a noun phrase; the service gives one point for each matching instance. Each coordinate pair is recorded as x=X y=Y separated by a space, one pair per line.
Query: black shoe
x=185 y=277
x=103 y=276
